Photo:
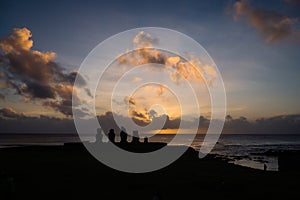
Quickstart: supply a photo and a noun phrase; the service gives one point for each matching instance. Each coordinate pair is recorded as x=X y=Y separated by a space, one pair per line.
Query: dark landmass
x=70 y=172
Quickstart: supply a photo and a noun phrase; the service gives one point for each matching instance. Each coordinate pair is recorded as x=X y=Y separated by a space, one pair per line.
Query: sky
x=255 y=45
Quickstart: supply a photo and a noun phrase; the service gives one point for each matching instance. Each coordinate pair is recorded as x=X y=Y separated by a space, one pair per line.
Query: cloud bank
x=12 y=121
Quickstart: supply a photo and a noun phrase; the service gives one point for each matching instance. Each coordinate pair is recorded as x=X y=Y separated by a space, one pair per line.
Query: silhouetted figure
x=135 y=137
x=146 y=140
x=99 y=135
x=111 y=135
x=265 y=167
x=123 y=135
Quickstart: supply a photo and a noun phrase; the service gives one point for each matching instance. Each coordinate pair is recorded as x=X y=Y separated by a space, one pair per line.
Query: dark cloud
x=279 y=124
x=2 y=97
x=152 y=113
x=72 y=77
x=64 y=106
x=35 y=75
x=10 y=113
x=272 y=25
x=42 y=124
x=129 y=101
x=140 y=118
x=293 y=2
x=88 y=92
x=14 y=122
x=107 y=121
x=283 y=124
x=170 y=123
x=38 y=90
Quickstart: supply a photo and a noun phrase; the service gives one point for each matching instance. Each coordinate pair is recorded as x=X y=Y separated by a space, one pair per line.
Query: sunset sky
x=255 y=45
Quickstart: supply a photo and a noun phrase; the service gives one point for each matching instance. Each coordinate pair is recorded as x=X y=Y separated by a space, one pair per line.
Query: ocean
x=241 y=149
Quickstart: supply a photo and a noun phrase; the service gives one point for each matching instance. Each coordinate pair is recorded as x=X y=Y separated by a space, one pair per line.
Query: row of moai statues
x=123 y=136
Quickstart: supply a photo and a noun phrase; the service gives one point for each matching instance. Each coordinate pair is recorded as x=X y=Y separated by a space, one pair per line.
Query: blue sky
x=261 y=79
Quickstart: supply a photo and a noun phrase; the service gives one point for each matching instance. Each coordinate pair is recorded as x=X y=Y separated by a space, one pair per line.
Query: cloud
x=10 y=114
x=64 y=106
x=29 y=64
x=143 y=39
x=2 y=97
x=35 y=75
x=152 y=113
x=271 y=25
x=160 y=90
x=41 y=124
x=106 y=121
x=72 y=77
x=282 y=124
x=142 y=56
x=289 y=124
x=37 y=90
x=12 y=121
x=18 y=40
x=129 y=101
x=64 y=90
x=138 y=114
x=293 y=2
x=172 y=61
x=178 y=68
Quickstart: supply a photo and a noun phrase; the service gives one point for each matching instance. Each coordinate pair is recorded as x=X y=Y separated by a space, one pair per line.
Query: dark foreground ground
x=70 y=172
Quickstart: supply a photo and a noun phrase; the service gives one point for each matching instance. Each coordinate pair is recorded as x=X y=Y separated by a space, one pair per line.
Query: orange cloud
x=179 y=69
x=172 y=61
x=34 y=75
x=136 y=112
x=160 y=90
x=143 y=39
x=64 y=91
x=17 y=41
